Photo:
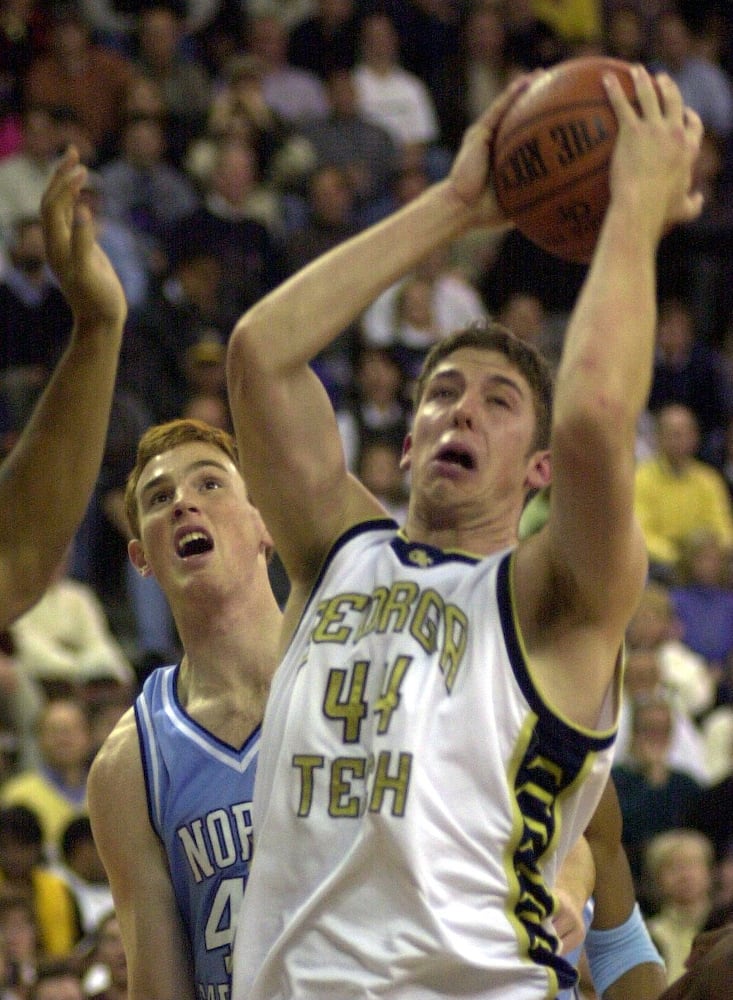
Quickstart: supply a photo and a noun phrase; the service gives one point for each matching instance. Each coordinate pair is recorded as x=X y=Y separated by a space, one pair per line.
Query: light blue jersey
x=199 y=793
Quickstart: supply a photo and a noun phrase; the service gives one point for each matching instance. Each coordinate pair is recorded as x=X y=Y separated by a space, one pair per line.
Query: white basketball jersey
x=414 y=793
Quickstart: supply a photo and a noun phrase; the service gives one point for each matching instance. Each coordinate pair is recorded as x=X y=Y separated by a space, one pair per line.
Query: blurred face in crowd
x=64 y=736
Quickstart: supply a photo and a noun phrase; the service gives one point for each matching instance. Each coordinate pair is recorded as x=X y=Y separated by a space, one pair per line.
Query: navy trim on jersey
x=554 y=729
x=378 y=524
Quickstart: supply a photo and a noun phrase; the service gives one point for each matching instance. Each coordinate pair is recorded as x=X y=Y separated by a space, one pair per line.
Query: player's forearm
x=302 y=316
x=643 y=982
x=46 y=483
x=605 y=371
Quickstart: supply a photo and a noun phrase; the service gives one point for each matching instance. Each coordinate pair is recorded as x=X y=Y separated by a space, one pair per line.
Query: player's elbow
x=246 y=357
x=598 y=422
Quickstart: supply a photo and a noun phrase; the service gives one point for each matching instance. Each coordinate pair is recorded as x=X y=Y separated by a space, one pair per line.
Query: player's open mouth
x=457 y=456
x=193 y=543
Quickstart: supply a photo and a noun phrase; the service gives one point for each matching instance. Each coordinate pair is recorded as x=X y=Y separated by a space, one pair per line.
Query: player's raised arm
x=594 y=552
x=287 y=434
x=46 y=482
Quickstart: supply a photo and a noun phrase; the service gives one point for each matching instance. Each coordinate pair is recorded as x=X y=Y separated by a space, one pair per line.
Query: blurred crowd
x=230 y=142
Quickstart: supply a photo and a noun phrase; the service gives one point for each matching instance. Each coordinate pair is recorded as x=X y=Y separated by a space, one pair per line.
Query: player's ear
x=539 y=470
x=137 y=557
x=406 y=449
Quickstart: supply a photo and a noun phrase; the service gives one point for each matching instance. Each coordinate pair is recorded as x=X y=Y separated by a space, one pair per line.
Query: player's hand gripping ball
x=551 y=153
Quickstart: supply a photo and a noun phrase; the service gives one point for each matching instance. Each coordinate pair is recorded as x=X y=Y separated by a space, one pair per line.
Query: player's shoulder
x=114 y=759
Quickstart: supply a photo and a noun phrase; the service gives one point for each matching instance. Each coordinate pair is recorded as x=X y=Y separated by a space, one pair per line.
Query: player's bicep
x=595 y=544
x=294 y=466
x=157 y=954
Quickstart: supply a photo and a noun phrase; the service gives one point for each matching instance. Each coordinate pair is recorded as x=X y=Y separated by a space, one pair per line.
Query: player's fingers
x=509 y=94
x=82 y=232
x=59 y=180
x=694 y=206
x=646 y=93
x=620 y=103
x=57 y=203
x=693 y=125
x=672 y=103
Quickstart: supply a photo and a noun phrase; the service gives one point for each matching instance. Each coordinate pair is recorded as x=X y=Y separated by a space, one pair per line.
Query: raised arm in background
x=46 y=481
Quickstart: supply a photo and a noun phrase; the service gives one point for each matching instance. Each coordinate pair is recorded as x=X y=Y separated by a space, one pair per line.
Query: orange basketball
x=551 y=153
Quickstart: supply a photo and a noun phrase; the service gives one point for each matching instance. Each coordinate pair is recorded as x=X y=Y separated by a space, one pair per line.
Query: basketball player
x=170 y=791
x=440 y=728
x=46 y=481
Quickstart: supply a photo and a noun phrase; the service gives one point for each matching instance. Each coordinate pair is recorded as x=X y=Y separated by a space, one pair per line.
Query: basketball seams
x=557 y=192
x=551 y=153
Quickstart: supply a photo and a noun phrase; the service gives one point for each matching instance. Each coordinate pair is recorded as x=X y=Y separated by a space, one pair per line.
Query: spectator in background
x=643 y=679
x=293 y=93
x=364 y=149
x=144 y=98
x=678 y=867
x=24 y=871
x=144 y=190
x=185 y=312
x=80 y=74
x=677 y=493
x=694 y=263
x=329 y=220
x=21 y=701
x=19 y=932
x=183 y=80
x=239 y=111
x=115 y=23
x=625 y=34
x=291 y=12
x=57 y=980
x=712 y=813
x=377 y=408
x=655 y=626
x=224 y=227
x=210 y=408
x=477 y=74
x=56 y=790
x=398 y=100
x=531 y=41
x=416 y=327
x=329 y=217
x=23 y=26
x=65 y=640
x=25 y=173
x=704 y=85
x=35 y=318
x=326 y=41
x=81 y=869
x=379 y=469
x=455 y=301
x=230 y=178
x=108 y=962
x=689 y=371
x=653 y=796
x=515 y=264
x=703 y=601
x=524 y=314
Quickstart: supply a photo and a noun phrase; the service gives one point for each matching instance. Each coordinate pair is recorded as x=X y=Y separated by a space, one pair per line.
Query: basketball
x=551 y=153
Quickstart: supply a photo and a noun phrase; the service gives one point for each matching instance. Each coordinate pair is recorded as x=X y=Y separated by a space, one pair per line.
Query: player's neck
x=480 y=536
